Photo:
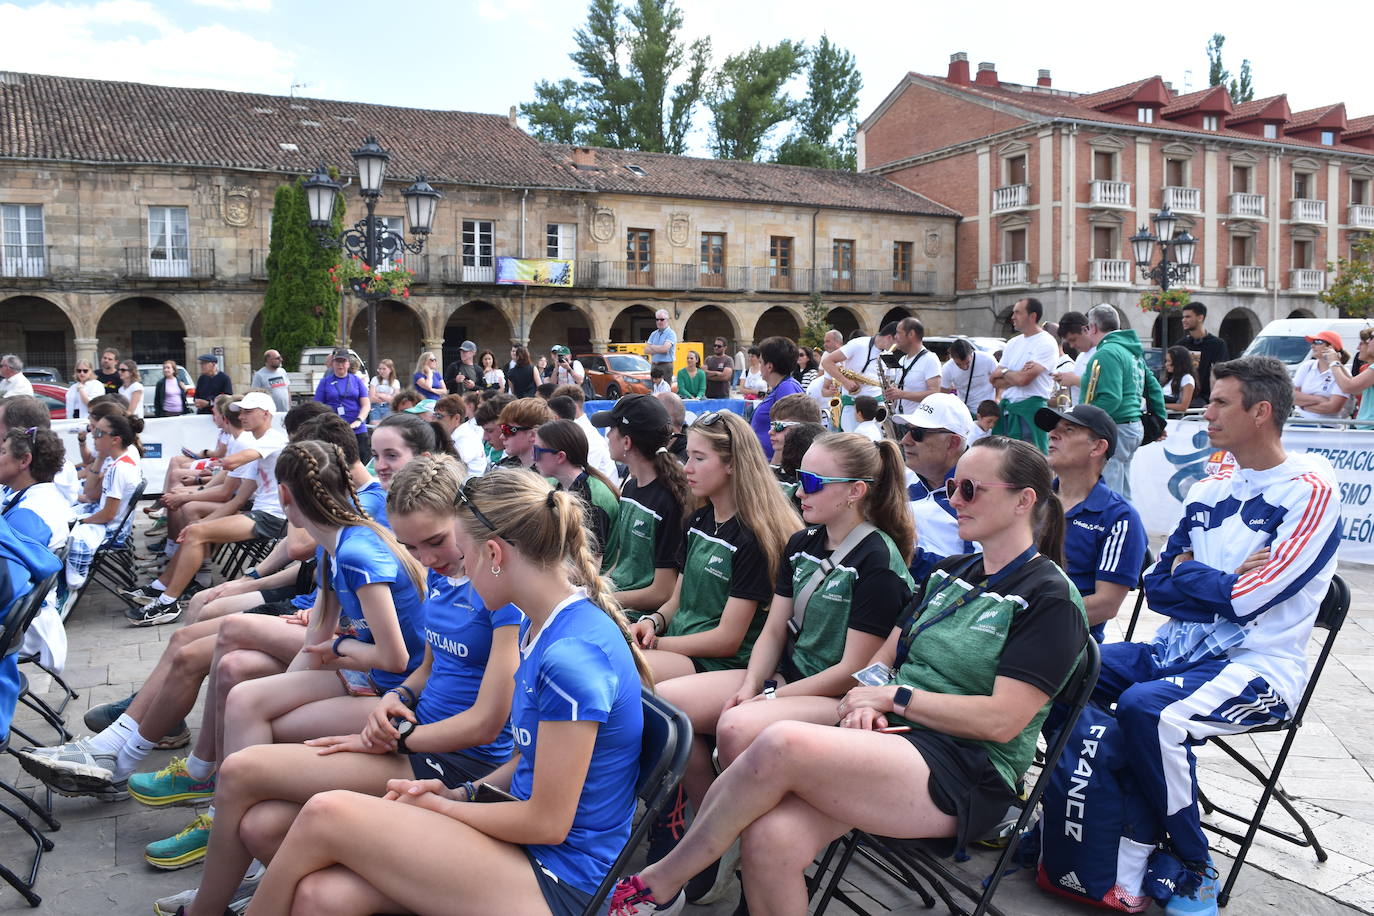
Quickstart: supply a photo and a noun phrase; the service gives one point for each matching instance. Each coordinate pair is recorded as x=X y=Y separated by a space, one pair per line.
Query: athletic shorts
x=452 y=769
x=561 y=898
x=278 y=595
x=274 y=608
x=963 y=784
x=266 y=525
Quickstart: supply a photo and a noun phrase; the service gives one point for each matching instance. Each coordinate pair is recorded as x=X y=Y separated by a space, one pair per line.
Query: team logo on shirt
x=989 y=622
x=447 y=644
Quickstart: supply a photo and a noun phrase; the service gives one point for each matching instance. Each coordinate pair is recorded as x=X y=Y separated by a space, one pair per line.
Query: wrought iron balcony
x=142 y=262
x=25 y=261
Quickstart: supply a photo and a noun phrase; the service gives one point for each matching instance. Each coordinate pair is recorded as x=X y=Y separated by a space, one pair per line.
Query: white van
x=1286 y=339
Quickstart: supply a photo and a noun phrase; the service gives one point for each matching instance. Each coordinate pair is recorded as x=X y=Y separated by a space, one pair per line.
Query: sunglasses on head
x=969 y=489
x=711 y=419
x=465 y=499
x=814 y=483
x=509 y=430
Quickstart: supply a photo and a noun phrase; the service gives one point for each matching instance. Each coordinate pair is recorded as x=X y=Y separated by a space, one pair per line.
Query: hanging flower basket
x=1167 y=301
x=354 y=273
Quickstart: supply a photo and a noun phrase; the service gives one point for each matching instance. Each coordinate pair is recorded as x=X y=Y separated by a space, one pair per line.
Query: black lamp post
x=369 y=239
x=1175 y=257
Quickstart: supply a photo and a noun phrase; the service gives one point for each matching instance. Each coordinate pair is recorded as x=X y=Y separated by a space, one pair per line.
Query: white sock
x=171 y=548
x=157 y=585
x=115 y=736
x=210 y=812
x=165 y=598
x=198 y=769
x=131 y=755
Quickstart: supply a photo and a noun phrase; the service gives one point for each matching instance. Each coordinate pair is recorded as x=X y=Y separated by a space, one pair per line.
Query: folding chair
x=112 y=567
x=663 y=756
x=1330 y=617
x=17 y=619
x=911 y=861
x=1139 y=596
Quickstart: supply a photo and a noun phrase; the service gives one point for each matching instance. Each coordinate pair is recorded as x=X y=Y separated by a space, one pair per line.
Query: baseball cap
x=340 y=353
x=206 y=358
x=254 y=400
x=1094 y=418
x=560 y=350
x=940 y=411
x=634 y=411
x=425 y=406
x=1330 y=337
x=467 y=346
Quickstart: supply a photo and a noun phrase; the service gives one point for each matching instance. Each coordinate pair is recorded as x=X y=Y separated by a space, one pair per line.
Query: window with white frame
x=561 y=240
x=477 y=243
x=169 y=253
x=21 y=231
x=1328 y=138
x=1210 y=122
x=1145 y=115
x=1304 y=185
x=397 y=226
x=1271 y=131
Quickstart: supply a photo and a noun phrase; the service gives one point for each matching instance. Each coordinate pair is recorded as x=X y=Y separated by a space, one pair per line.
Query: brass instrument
x=836 y=408
x=879 y=382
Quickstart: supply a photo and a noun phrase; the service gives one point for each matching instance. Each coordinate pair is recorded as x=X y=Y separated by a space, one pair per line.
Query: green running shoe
x=186 y=848
x=171 y=785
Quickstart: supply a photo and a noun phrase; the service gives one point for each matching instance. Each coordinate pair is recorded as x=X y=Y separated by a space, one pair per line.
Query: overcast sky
x=485 y=55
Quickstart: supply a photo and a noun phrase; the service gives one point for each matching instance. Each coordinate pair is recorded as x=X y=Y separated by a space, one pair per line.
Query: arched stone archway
x=777 y=322
x=844 y=320
x=1005 y=329
x=482 y=323
x=561 y=323
x=1175 y=327
x=897 y=313
x=1237 y=329
x=39 y=332
x=633 y=324
x=400 y=335
x=145 y=329
x=709 y=322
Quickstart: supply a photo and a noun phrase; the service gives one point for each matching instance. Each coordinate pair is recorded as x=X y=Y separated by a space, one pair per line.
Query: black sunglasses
x=968 y=488
x=714 y=417
x=918 y=433
x=465 y=499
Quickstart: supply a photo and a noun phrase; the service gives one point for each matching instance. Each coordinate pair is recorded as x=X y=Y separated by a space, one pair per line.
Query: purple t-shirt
x=760 y=420
x=342 y=395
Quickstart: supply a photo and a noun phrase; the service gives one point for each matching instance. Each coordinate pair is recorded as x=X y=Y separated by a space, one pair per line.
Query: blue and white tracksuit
x=1232 y=656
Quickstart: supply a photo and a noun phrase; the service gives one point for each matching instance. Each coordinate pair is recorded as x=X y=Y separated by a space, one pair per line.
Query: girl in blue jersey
x=576 y=720
x=448 y=720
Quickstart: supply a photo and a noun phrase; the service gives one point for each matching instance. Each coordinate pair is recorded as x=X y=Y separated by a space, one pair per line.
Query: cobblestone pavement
x=97 y=866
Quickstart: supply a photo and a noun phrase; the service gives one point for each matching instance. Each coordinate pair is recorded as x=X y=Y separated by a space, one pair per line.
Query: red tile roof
x=1212 y=99
x=1275 y=106
x=1109 y=97
x=1334 y=114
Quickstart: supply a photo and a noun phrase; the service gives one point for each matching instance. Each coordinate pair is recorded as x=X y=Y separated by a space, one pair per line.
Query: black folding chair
x=112 y=567
x=1330 y=617
x=666 y=745
x=1139 y=596
x=17 y=619
x=911 y=862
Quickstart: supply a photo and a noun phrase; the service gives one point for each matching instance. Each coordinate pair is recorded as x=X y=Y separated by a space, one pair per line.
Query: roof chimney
x=987 y=74
x=584 y=157
x=958 y=68
x=1042 y=78
x=514 y=122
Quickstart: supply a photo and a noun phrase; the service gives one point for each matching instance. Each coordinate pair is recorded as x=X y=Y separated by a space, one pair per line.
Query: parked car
x=151 y=373
x=314 y=366
x=54 y=396
x=46 y=374
x=940 y=345
x=614 y=374
x=1286 y=338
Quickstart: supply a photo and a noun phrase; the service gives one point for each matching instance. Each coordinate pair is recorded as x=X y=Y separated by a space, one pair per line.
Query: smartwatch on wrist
x=404 y=728
x=901 y=697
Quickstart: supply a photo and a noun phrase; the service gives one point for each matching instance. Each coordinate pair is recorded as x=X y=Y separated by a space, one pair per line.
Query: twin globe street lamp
x=369 y=238
x=1175 y=258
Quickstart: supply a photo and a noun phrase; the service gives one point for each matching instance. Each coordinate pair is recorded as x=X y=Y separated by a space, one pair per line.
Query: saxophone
x=862 y=379
x=836 y=408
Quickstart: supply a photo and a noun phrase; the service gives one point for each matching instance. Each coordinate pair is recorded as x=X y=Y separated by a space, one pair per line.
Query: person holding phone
x=577 y=721
x=971 y=668
x=448 y=720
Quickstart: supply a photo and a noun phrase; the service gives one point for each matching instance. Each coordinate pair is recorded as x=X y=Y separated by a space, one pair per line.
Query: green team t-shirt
x=867 y=592
x=719 y=562
x=1031 y=626
x=646 y=535
x=602 y=506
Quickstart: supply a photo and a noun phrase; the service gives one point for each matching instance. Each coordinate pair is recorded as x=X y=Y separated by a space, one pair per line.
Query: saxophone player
x=916 y=372
x=858 y=369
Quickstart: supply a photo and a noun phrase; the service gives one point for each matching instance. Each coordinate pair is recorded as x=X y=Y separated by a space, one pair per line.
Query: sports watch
x=901 y=697
x=404 y=728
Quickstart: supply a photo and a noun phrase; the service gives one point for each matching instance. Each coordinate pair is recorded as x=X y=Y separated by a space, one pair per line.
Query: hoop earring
x=496 y=570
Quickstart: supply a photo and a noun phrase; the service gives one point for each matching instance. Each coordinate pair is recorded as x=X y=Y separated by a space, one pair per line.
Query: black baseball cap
x=634 y=411
x=1086 y=415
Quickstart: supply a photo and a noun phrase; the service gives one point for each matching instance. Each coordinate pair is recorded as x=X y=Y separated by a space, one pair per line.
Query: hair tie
x=662 y=450
x=550 y=501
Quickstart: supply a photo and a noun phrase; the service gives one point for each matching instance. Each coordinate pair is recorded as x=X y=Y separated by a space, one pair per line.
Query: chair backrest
x=125 y=519
x=1140 y=595
x=667 y=742
x=20 y=614
x=1330 y=617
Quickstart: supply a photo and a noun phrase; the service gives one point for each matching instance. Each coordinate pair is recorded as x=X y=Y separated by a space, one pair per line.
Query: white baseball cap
x=254 y=400
x=940 y=411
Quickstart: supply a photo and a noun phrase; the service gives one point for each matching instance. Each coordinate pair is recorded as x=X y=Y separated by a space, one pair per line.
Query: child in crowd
x=870 y=415
x=658 y=378
x=520 y=419
x=989 y=412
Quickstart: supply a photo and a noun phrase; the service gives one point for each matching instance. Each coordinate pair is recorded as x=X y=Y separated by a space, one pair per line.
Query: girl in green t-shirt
x=560 y=453
x=730 y=556
x=691 y=379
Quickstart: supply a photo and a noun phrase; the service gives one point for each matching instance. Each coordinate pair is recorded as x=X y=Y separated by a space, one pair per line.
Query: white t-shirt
x=1311 y=380
x=1038 y=348
x=861 y=356
x=237 y=444
x=118 y=480
x=572 y=375
x=870 y=430
x=1182 y=384
x=267 y=498
x=753 y=381
x=278 y=385
x=76 y=409
x=128 y=392
x=915 y=372
x=972 y=390
x=467 y=442
x=1080 y=364
x=15 y=385
x=494 y=378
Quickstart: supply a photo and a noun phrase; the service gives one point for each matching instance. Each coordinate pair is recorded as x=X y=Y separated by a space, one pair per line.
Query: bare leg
x=152 y=686
x=176 y=696
x=195 y=541
x=250 y=646
x=739 y=726
x=777 y=848
x=701 y=697
x=253 y=705
x=668 y=665
x=265 y=825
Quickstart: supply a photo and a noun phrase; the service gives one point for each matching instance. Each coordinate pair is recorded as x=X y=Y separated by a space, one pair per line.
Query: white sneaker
x=74 y=769
x=167 y=906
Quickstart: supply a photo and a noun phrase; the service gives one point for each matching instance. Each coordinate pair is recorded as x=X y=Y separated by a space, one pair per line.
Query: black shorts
x=278 y=595
x=561 y=898
x=266 y=525
x=452 y=769
x=274 y=608
x=963 y=784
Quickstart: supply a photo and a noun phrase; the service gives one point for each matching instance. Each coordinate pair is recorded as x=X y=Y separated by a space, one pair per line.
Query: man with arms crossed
x=1022 y=378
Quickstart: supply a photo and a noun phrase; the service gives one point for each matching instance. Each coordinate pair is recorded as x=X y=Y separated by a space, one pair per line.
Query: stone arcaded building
x=138 y=216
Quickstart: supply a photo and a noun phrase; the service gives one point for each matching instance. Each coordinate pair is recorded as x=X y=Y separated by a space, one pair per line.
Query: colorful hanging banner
x=534 y=271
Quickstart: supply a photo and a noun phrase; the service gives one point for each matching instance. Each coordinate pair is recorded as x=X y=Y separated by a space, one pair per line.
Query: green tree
x=747 y=98
x=300 y=307
x=833 y=84
x=628 y=60
x=1352 y=292
x=1241 y=88
x=813 y=331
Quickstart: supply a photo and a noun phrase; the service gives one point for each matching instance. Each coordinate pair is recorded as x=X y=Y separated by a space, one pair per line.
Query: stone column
x=87 y=348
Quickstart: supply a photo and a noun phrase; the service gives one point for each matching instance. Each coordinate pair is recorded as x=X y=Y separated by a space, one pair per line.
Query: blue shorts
x=452 y=769
x=562 y=898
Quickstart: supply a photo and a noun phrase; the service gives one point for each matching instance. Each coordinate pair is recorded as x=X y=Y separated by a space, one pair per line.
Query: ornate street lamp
x=369 y=239
x=1175 y=257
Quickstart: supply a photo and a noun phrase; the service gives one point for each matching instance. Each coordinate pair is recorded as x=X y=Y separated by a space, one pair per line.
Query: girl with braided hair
x=448 y=720
x=577 y=723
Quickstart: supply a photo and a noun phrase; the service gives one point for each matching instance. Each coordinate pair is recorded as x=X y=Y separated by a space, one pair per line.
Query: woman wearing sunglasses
x=520 y=420
x=967 y=675
x=85 y=387
x=429 y=381
x=577 y=721
x=560 y=453
x=114 y=438
x=131 y=386
x=641 y=553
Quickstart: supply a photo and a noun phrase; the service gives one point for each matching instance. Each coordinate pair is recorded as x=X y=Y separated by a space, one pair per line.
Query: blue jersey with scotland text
x=578 y=668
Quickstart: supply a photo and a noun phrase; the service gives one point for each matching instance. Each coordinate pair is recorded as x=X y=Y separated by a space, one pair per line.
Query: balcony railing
x=169 y=263
x=920 y=282
x=727 y=278
x=1110 y=194
x=1183 y=200
x=1303 y=280
x=1192 y=278
x=1010 y=197
x=1247 y=206
x=1012 y=273
x=1109 y=272
x=453 y=270
x=782 y=280
x=1245 y=279
x=1308 y=211
x=27 y=261
x=1361 y=216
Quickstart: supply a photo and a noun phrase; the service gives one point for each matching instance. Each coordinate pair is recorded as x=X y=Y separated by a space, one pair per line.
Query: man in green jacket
x=1117 y=380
